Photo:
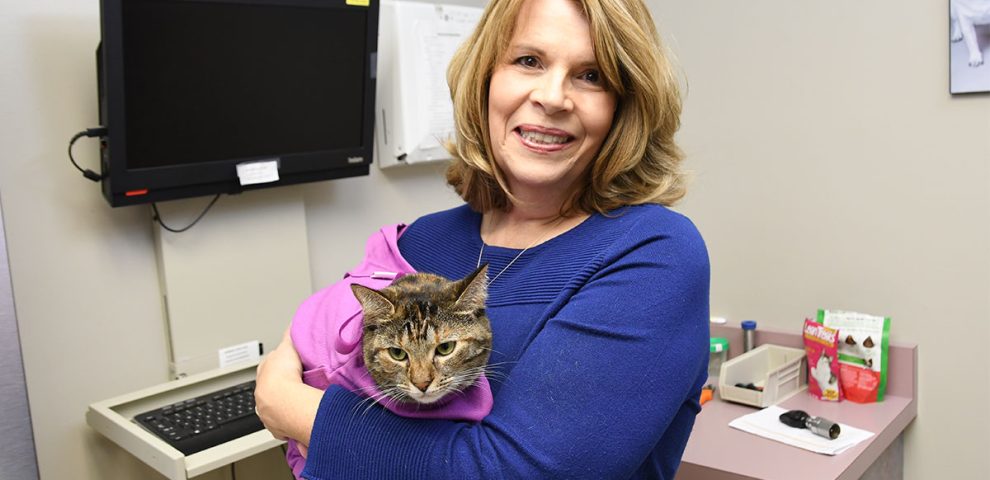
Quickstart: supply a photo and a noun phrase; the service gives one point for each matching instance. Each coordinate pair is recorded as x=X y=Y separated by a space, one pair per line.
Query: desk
x=716 y=452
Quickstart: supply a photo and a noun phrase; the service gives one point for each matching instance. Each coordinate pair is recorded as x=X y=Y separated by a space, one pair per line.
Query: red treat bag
x=822 y=347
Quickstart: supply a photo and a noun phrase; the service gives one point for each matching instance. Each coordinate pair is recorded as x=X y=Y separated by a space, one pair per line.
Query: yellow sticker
x=359 y=3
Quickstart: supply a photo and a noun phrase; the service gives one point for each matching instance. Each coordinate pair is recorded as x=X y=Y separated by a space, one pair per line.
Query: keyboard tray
x=205 y=421
x=113 y=418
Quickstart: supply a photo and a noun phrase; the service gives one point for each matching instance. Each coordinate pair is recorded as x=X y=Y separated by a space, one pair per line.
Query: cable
x=96 y=177
x=89 y=132
x=158 y=218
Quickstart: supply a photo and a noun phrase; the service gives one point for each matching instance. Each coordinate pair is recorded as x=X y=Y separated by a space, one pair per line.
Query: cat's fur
x=408 y=327
x=964 y=16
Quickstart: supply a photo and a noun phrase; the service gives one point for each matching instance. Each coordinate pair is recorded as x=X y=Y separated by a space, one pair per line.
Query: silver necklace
x=538 y=240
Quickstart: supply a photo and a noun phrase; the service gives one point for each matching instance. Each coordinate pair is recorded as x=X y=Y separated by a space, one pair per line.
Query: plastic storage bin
x=781 y=371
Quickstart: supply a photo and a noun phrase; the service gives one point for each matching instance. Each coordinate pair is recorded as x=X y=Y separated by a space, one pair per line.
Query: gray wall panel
x=17 y=457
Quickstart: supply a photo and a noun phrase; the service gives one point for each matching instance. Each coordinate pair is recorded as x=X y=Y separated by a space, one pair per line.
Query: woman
x=598 y=294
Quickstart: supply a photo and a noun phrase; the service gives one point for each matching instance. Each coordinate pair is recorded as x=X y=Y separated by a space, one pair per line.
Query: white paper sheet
x=251 y=173
x=766 y=423
x=416 y=44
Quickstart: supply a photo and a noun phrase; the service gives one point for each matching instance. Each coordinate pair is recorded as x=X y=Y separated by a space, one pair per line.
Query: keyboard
x=206 y=421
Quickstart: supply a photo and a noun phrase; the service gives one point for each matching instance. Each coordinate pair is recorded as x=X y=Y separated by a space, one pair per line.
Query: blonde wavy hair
x=638 y=161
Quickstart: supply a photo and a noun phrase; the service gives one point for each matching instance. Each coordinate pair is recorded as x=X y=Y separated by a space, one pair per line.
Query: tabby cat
x=425 y=336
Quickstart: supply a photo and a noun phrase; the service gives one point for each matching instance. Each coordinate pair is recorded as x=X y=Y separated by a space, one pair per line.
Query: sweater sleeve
x=613 y=374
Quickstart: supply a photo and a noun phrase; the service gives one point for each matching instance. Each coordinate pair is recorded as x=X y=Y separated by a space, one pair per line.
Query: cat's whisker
x=498 y=367
x=375 y=397
x=370 y=400
x=462 y=381
x=368 y=408
x=384 y=398
x=368 y=390
x=497 y=377
x=494 y=369
x=491 y=350
x=499 y=364
x=498 y=380
x=456 y=391
x=486 y=371
x=495 y=372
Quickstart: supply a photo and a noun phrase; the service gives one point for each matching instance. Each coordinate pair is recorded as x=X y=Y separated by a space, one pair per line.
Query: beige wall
x=832 y=170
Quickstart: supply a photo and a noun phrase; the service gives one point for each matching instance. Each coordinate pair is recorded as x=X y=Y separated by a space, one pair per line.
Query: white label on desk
x=265 y=171
x=243 y=353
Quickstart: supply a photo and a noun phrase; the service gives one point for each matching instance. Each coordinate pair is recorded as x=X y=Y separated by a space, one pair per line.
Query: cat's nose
x=422 y=386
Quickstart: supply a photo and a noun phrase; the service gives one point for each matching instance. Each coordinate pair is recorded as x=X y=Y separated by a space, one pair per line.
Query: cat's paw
x=956 y=33
x=975 y=59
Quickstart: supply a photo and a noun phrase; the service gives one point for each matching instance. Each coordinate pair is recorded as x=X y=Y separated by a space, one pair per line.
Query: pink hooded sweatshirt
x=327 y=328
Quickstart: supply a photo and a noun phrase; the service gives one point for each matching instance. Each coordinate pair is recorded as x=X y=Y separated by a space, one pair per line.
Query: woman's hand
x=284 y=403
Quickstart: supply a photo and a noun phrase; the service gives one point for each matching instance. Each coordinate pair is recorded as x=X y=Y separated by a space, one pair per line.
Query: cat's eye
x=445 y=348
x=397 y=354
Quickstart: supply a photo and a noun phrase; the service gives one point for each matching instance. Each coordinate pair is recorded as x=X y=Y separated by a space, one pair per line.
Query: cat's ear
x=472 y=291
x=375 y=304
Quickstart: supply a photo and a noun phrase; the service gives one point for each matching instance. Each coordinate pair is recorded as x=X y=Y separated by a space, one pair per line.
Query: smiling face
x=548 y=108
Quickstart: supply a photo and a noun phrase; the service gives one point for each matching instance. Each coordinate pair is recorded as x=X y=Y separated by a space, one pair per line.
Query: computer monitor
x=191 y=89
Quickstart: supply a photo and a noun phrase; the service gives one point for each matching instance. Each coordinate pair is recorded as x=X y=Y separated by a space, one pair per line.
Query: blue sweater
x=600 y=352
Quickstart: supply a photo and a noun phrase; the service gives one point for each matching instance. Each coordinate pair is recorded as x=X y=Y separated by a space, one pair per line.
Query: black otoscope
x=817 y=425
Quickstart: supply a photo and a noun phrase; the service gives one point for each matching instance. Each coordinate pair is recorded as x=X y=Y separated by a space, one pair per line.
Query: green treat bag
x=863 y=345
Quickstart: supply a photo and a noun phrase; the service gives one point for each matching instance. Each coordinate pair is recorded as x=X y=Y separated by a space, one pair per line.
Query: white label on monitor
x=243 y=353
x=251 y=173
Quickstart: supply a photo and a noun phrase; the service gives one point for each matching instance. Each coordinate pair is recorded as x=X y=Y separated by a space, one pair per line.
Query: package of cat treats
x=821 y=344
x=863 y=347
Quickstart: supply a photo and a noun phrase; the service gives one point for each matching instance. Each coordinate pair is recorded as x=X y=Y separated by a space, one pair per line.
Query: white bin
x=781 y=371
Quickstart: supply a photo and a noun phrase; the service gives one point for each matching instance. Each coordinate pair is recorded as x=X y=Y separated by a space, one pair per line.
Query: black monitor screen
x=206 y=81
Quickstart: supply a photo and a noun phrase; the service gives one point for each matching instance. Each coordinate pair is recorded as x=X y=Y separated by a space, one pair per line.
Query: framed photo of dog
x=969 y=43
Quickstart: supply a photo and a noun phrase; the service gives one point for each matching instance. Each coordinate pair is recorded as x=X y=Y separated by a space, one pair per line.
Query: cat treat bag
x=862 y=353
x=821 y=345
